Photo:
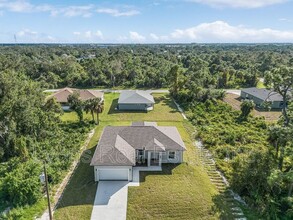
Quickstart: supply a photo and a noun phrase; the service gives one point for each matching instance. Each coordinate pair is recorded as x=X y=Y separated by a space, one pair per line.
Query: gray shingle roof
x=135 y=97
x=263 y=94
x=117 y=144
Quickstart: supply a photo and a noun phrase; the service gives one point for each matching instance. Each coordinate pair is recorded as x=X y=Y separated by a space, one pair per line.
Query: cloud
x=89 y=35
x=16 y=6
x=220 y=31
x=117 y=13
x=74 y=11
x=285 y=19
x=136 y=37
x=23 y=6
x=30 y=36
x=157 y=38
x=239 y=3
x=122 y=39
x=154 y=36
x=26 y=32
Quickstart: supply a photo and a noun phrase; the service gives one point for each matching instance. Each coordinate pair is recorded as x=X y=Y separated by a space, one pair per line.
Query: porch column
x=149 y=158
x=160 y=158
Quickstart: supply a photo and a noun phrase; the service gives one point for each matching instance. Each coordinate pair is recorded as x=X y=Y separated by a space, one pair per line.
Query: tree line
x=222 y=66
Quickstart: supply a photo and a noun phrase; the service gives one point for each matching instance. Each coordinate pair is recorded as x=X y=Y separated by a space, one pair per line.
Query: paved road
x=118 y=90
x=233 y=91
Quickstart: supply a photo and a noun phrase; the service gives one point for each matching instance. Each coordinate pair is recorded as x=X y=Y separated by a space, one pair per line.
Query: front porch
x=148 y=158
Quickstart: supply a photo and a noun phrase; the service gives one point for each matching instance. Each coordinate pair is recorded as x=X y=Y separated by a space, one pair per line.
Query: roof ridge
x=124 y=140
x=156 y=127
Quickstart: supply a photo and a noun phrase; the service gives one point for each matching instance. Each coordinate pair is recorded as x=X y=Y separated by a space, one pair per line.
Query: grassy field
x=181 y=191
x=165 y=110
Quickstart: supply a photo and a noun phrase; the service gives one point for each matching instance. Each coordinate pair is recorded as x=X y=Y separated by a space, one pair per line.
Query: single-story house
x=61 y=95
x=259 y=96
x=136 y=100
x=121 y=148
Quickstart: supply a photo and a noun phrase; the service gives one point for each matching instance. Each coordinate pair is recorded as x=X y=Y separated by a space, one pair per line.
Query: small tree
x=246 y=107
x=53 y=105
x=99 y=107
x=280 y=80
x=173 y=79
x=89 y=106
x=76 y=105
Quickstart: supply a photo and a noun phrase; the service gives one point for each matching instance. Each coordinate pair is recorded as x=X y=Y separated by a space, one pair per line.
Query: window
x=172 y=154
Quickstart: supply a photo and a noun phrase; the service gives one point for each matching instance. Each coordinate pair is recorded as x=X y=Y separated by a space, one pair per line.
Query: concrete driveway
x=233 y=91
x=110 y=201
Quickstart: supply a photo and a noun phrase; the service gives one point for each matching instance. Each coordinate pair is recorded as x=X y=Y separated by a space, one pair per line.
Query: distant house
x=121 y=148
x=61 y=96
x=136 y=100
x=259 y=96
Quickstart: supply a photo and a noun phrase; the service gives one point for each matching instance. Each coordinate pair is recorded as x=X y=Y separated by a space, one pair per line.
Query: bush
x=22 y=186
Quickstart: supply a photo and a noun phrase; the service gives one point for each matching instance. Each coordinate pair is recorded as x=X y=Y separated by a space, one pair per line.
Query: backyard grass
x=71 y=116
x=181 y=191
x=164 y=110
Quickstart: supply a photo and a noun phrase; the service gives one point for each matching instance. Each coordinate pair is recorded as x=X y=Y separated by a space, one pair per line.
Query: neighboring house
x=84 y=94
x=136 y=100
x=259 y=96
x=143 y=144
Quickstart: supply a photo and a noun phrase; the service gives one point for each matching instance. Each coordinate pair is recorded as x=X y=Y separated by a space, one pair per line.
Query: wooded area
x=256 y=157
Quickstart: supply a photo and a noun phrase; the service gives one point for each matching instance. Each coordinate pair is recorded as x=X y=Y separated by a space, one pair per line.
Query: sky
x=146 y=21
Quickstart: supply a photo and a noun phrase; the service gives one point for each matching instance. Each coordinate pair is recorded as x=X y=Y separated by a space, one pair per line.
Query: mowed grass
x=164 y=110
x=71 y=116
x=181 y=191
x=78 y=198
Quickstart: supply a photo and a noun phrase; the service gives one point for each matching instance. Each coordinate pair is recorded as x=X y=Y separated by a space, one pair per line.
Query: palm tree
x=89 y=106
x=99 y=107
x=94 y=106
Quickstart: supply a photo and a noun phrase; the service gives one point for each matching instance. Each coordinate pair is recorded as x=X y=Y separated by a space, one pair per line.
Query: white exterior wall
x=97 y=168
x=178 y=157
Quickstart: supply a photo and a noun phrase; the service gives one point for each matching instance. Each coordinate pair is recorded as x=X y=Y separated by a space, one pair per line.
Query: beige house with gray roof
x=142 y=144
x=61 y=96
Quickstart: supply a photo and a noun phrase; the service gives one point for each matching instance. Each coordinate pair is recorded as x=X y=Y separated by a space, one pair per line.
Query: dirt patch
x=234 y=101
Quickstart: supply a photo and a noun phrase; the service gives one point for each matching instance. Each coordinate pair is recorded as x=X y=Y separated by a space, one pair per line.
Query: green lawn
x=164 y=110
x=78 y=198
x=72 y=116
x=181 y=191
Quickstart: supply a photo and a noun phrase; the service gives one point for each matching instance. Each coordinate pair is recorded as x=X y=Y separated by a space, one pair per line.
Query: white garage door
x=113 y=174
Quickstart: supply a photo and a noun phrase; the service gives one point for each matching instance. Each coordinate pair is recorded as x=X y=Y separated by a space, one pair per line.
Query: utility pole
x=47 y=191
